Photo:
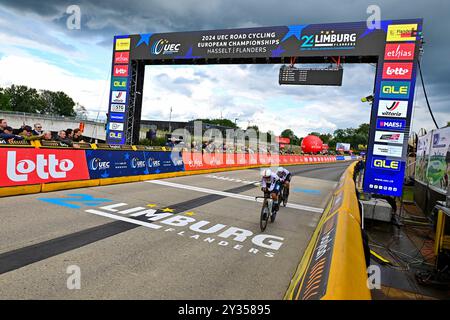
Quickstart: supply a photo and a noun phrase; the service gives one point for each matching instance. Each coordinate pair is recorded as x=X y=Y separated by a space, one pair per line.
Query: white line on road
x=229 y=194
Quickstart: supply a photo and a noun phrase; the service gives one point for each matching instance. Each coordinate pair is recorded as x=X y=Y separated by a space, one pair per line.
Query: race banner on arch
x=394 y=46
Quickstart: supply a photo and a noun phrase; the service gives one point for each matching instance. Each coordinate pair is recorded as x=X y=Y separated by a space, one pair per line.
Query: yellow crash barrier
x=333 y=266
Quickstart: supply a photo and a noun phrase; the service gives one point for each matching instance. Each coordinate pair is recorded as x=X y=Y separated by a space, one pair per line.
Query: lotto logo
x=399 y=70
x=120 y=71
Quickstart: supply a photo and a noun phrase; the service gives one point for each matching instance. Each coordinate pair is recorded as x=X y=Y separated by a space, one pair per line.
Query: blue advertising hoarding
x=120 y=163
x=386 y=160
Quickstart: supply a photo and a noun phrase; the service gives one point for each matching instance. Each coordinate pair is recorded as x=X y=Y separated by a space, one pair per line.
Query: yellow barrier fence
x=333 y=266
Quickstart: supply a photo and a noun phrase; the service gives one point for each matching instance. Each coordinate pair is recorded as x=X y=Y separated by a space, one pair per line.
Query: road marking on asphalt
x=230 y=195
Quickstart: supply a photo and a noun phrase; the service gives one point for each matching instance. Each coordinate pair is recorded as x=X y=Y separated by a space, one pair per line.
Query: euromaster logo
x=119 y=83
x=392 y=108
x=328 y=39
x=397 y=70
x=121 y=57
x=395 y=89
x=399 y=51
x=122 y=44
x=391 y=124
x=120 y=71
x=402 y=32
x=386 y=164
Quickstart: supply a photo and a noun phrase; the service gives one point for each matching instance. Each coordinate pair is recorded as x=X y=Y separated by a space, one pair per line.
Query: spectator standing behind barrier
x=62 y=139
x=7 y=134
x=77 y=135
x=37 y=130
x=3 y=125
x=47 y=136
x=27 y=134
x=69 y=134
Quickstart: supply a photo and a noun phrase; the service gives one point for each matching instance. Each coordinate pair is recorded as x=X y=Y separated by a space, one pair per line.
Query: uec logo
x=45 y=168
x=165 y=47
x=97 y=164
x=153 y=163
x=136 y=163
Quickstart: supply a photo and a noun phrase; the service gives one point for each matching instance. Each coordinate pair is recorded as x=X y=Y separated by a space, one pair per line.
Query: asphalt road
x=193 y=237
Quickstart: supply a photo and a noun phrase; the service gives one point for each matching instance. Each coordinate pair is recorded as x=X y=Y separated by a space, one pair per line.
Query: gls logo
x=386 y=164
x=98 y=164
x=395 y=89
x=163 y=46
x=115 y=135
x=45 y=168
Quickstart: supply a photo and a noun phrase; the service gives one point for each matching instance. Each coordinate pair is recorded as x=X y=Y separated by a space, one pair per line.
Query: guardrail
x=333 y=266
x=36 y=168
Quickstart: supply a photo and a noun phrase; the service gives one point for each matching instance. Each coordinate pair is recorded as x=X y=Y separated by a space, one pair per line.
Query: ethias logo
x=163 y=46
x=399 y=51
x=45 y=168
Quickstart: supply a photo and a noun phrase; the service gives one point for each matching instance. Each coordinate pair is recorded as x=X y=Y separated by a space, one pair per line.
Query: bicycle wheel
x=285 y=196
x=264 y=216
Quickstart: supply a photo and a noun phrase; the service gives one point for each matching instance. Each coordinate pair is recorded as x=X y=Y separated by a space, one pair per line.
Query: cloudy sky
x=37 y=49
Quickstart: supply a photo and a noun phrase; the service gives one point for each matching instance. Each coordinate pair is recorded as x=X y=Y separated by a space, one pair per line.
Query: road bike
x=266 y=211
x=284 y=195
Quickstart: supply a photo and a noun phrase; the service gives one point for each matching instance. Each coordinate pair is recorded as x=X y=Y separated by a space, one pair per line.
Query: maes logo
x=386 y=164
x=392 y=124
x=329 y=38
x=163 y=46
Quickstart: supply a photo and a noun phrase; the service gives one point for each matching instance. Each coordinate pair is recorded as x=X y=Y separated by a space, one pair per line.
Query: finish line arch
x=394 y=47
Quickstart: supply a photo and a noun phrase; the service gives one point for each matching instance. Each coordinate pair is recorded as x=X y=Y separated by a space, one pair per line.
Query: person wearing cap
x=27 y=134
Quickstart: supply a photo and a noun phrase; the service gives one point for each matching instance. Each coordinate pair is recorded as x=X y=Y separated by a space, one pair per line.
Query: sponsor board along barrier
x=333 y=266
x=32 y=169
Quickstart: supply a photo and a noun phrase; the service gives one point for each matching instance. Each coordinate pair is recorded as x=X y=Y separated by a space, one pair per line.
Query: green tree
x=24 y=99
x=287 y=133
x=4 y=100
x=58 y=103
x=219 y=122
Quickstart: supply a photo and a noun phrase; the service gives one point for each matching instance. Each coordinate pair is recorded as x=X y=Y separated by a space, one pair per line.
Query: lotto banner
x=199 y=161
x=23 y=166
